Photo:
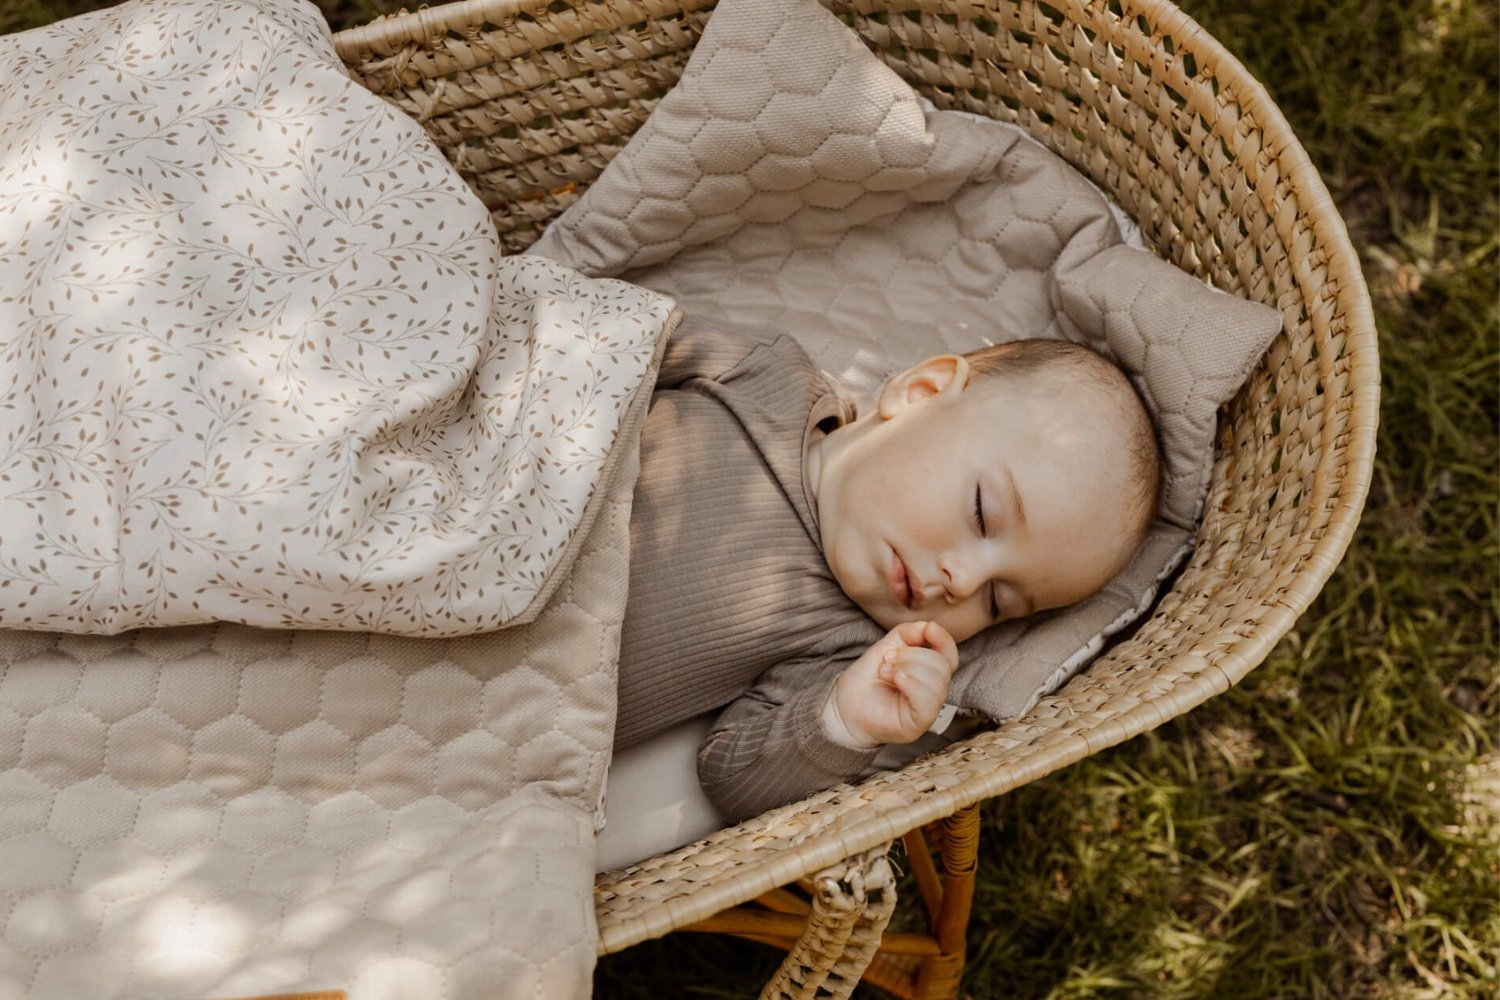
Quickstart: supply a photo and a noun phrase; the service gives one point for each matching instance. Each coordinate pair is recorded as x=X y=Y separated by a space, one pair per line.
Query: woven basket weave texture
x=530 y=100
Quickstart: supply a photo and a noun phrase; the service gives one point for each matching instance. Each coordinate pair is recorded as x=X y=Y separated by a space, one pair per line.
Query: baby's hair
x=1029 y=360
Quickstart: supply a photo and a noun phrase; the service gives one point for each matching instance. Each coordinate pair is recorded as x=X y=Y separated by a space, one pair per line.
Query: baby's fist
x=893 y=692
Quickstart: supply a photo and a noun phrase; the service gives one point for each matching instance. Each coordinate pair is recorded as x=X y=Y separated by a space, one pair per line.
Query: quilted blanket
x=272 y=389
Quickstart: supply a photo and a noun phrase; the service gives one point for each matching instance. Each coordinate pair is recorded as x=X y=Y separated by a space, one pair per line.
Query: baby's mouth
x=903 y=585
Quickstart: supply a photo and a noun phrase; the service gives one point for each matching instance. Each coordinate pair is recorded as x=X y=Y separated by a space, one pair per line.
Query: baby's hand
x=894 y=692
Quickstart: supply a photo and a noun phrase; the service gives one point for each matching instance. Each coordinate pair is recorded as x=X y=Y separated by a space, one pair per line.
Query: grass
x=1331 y=827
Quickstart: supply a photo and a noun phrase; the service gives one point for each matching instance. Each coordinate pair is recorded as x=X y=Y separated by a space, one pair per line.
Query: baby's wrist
x=837 y=730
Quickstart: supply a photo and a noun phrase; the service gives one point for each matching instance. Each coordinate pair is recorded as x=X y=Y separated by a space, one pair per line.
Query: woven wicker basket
x=531 y=99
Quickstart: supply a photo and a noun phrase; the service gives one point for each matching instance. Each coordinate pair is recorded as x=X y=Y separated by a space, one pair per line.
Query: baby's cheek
x=961 y=620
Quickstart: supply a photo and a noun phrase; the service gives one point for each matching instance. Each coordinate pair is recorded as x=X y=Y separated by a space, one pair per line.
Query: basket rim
x=867 y=824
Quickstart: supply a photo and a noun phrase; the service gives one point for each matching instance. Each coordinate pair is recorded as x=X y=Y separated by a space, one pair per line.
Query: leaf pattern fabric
x=263 y=360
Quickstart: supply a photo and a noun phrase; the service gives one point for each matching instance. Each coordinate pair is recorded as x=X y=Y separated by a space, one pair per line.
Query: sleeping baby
x=809 y=570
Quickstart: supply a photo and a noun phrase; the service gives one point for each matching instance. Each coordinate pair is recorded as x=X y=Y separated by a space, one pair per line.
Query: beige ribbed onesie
x=731 y=603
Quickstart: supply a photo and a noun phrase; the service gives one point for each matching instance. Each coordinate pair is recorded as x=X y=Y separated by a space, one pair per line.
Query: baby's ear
x=942 y=375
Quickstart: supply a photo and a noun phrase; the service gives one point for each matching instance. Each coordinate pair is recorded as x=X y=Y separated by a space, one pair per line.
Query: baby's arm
x=769 y=746
x=808 y=725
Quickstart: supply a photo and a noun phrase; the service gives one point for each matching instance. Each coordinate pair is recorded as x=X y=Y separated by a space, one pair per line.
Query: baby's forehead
x=1066 y=426
x=1060 y=396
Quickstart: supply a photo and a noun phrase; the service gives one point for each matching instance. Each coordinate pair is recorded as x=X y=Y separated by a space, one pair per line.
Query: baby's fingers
x=921 y=660
x=925 y=635
x=908 y=635
x=941 y=642
x=922 y=678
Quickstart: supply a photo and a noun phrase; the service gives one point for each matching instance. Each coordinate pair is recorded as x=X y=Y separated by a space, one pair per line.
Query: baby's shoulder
x=721 y=351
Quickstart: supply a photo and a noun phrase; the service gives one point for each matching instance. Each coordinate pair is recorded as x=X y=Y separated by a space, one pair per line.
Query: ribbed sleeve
x=762 y=753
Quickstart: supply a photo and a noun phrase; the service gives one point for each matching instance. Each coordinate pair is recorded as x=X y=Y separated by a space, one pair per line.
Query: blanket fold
x=264 y=359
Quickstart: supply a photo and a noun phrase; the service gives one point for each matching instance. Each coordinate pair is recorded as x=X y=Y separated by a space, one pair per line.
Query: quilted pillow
x=792 y=180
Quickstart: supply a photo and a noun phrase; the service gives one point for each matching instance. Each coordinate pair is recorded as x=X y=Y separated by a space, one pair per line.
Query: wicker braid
x=880 y=905
x=852 y=903
x=1140 y=99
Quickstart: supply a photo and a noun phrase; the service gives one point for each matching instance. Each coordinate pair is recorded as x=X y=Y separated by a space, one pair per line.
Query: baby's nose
x=959 y=578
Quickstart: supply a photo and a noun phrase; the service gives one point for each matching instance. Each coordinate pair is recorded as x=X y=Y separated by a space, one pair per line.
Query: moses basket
x=530 y=99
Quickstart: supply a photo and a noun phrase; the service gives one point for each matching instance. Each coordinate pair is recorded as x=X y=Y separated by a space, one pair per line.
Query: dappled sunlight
x=351 y=890
x=220 y=811
x=182 y=941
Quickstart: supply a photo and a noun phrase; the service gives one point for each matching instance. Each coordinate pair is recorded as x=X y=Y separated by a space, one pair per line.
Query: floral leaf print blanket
x=263 y=360
x=271 y=388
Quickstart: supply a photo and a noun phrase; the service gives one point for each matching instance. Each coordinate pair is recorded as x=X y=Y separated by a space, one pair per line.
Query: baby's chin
x=885 y=616
x=870 y=594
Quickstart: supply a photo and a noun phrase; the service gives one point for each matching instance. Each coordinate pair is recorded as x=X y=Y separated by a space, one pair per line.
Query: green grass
x=1328 y=828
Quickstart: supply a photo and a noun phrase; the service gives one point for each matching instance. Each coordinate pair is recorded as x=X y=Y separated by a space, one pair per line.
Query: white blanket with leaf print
x=262 y=358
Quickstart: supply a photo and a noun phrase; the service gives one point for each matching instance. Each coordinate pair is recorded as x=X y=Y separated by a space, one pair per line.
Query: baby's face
x=974 y=504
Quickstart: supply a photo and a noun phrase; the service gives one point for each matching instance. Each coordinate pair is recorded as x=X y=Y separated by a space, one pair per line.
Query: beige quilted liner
x=531 y=103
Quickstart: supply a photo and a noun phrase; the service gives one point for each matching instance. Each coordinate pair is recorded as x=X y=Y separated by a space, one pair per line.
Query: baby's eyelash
x=979 y=520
